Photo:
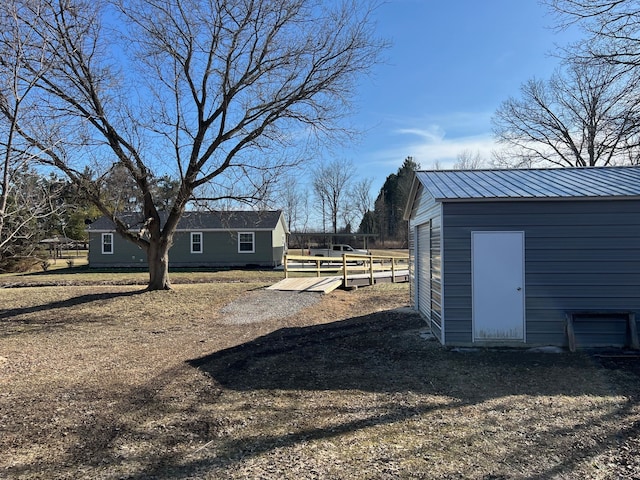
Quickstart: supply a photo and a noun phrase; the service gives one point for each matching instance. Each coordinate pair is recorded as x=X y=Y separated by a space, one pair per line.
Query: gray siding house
x=203 y=239
x=514 y=257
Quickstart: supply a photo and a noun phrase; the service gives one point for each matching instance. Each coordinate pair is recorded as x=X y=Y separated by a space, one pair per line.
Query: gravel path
x=261 y=305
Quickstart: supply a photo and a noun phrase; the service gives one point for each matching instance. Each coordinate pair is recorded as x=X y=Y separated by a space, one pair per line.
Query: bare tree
x=360 y=197
x=468 y=160
x=26 y=199
x=210 y=92
x=331 y=183
x=586 y=115
x=290 y=199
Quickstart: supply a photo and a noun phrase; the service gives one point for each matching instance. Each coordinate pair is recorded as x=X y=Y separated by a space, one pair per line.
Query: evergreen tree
x=391 y=201
x=368 y=223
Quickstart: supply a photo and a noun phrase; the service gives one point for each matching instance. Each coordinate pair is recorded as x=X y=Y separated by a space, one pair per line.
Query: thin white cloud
x=433 y=133
x=439 y=141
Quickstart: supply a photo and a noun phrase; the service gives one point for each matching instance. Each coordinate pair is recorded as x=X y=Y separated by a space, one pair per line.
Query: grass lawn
x=81 y=275
x=110 y=381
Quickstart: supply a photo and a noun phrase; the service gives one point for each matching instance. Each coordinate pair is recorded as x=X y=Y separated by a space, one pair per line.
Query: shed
x=506 y=257
x=202 y=239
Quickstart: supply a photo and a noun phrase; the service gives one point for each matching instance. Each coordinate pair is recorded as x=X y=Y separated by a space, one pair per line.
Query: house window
x=107 y=243
x=246 y=242
x=196 y=242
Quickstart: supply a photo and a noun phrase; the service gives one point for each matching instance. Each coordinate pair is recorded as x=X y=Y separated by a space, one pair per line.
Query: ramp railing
x=349 y=266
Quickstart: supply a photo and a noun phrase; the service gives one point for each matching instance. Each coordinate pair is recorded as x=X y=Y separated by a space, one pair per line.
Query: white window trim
x=102 y=243
x=253 y=242
x=201 y=242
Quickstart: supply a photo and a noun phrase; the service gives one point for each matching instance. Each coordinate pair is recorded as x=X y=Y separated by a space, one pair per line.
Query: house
x=202 y=239
x=527 y=257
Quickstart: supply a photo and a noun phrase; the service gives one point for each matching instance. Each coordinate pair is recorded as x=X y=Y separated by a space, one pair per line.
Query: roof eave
x=608 y=198
x=413 y=192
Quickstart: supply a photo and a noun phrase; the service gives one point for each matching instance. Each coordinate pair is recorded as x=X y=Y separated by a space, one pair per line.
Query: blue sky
x=451 y=64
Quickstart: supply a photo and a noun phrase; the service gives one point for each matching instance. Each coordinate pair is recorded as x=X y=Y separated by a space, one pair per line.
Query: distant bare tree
x=331 y=184
x=28 y=201
x=211 y=92
x=360 y=197
x=586 y=115
x=468 y=160
x=506 y=159
x=290 y=199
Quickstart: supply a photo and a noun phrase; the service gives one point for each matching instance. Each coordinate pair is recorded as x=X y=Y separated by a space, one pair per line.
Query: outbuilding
x=202 y=239
x=527 y=257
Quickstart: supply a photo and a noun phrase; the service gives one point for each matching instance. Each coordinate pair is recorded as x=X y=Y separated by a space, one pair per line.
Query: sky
x=450 y=65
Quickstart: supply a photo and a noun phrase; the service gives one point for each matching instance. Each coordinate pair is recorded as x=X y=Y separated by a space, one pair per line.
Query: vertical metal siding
x=412 y=259
x=424 y=270
x=579 y=255
x=435 y=273
x=426 y=211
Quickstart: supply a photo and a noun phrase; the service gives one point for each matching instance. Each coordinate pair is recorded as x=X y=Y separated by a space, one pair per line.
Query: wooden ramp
x=308 y=284
x=329 y=284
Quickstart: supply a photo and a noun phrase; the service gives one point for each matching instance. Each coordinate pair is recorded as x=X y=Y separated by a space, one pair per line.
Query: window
x=196 y=242
x=107 y=243
x=246 y=242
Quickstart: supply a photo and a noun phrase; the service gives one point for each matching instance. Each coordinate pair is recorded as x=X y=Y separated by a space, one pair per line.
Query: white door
x=498 y=286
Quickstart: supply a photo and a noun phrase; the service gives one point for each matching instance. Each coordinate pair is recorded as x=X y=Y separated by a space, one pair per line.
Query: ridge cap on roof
x=531 y=169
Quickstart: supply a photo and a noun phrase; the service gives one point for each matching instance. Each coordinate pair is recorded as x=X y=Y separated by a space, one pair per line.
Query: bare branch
x=585 y=115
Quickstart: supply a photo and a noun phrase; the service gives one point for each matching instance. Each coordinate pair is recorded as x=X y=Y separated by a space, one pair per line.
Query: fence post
x=371 y=270
x=344 y=270
x=393 y=270
x=286 y=270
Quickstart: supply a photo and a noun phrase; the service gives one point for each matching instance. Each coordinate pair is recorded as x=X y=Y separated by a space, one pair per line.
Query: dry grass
x=82 y=276
x=114 y=382
x=397 y=252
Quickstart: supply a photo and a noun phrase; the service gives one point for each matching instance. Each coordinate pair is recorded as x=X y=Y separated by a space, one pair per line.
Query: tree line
x=338 y=201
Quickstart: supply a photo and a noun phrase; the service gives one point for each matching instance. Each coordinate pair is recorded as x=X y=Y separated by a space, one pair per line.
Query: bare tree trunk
x=158 y=260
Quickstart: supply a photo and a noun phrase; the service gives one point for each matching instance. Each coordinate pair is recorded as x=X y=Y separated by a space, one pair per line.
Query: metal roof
x=217 y=220
x=550 y=183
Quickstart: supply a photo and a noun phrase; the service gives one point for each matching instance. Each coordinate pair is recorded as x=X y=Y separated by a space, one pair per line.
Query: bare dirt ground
x=224 y=380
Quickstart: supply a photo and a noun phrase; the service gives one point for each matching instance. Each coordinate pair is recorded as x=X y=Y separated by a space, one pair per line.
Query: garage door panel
x=423 y=270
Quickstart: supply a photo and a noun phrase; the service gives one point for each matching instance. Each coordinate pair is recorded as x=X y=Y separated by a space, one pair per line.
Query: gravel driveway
x=261 y=305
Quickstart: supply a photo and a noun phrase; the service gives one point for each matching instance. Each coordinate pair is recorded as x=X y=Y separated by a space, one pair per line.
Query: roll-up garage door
x=423 y=269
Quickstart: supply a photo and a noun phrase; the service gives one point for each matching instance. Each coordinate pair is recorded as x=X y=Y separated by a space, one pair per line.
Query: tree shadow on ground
x=70 y=302
x=382 y=358
x=59 y=271
x=384 y=352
